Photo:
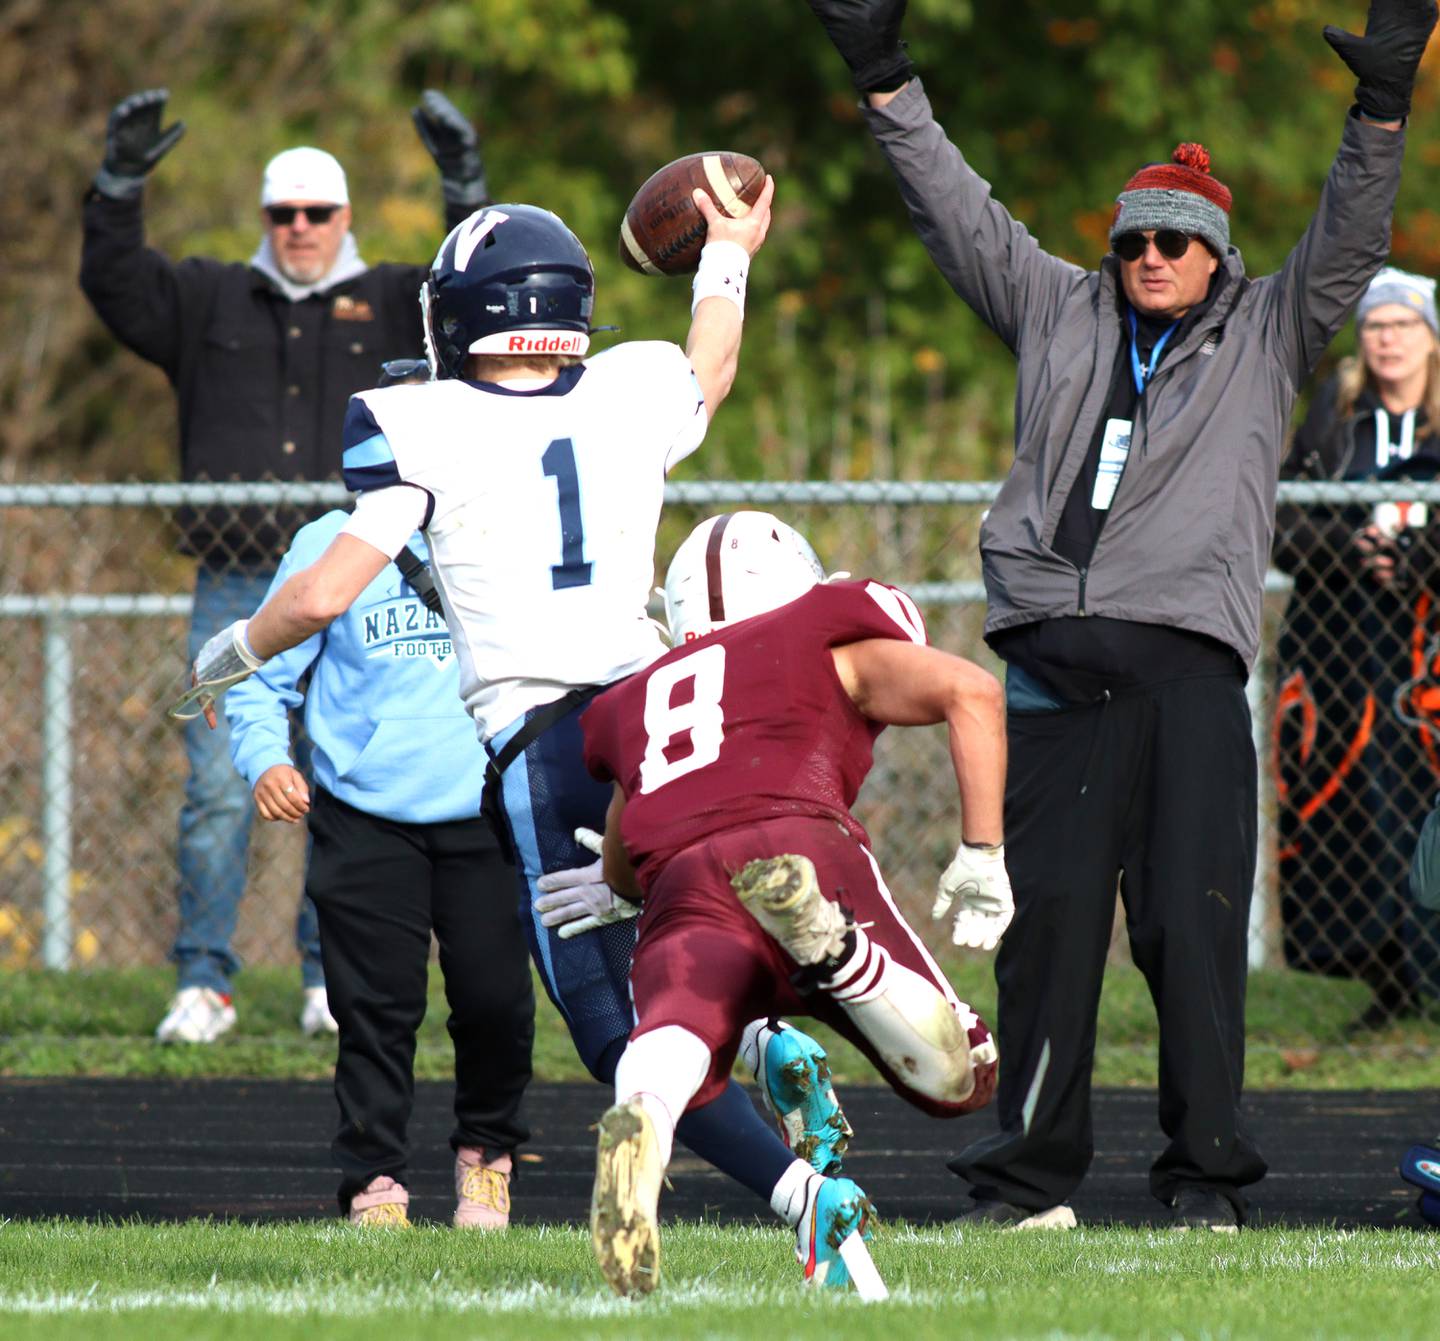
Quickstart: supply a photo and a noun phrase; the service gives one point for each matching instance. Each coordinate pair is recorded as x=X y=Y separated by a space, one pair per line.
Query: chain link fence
x=95 y=600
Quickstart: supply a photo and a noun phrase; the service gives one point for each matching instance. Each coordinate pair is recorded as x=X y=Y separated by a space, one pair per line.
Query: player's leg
x=854 y=950
x=486 y=968
x=701 y=970
x=792 y=1074
x=693 y=985
x=544 y=794
x=655 y=1079
x=370 y=882
x=661 y=1072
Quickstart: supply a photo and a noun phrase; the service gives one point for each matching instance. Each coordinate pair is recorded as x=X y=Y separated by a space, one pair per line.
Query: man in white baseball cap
x=263 y=357
x=305 y=203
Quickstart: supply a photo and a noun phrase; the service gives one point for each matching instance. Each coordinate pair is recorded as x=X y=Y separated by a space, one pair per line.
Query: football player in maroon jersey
x=735 y=759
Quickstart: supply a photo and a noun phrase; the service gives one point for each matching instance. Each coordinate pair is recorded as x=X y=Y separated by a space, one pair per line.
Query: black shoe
x=1004 y=1215
x=1200 y=1208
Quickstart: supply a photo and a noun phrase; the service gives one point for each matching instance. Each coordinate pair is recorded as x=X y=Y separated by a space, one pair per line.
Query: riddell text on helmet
x=520 y=343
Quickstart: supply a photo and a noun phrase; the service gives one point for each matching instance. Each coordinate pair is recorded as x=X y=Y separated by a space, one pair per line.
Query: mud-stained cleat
x=783 y=895
x=624 y=1210
x=831 y=1236
x=793 y=1073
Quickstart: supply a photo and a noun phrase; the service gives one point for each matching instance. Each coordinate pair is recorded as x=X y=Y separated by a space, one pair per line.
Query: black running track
x=258 y=1150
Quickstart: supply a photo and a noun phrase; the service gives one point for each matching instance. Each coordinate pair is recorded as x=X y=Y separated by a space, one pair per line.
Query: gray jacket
x=1187 y=540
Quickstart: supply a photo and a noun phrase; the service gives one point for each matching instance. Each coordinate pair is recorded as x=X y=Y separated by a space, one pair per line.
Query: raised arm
x=451 y=141
x=1348 y=239
x=987 y=257
x=138 y=293
x=718 y=310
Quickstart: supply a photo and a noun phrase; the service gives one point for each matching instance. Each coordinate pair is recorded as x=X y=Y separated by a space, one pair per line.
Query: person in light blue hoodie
x=398 y=849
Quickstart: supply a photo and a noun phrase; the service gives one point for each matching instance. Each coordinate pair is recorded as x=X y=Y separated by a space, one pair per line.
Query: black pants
x=379 y=887
x=1158 y=788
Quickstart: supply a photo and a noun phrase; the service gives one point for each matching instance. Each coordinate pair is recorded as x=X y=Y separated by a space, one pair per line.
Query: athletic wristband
x=248 y=654
x=227 y=656
x=724 y=267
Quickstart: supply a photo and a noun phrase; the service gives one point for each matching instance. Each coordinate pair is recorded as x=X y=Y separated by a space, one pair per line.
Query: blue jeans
x=216 y=815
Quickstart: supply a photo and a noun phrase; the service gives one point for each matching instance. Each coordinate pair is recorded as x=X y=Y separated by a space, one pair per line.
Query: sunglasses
x=284 y=215
x=1170 y=244
x=403 y=370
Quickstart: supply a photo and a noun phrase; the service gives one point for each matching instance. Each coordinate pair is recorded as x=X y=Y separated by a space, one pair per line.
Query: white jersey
x=540 y=508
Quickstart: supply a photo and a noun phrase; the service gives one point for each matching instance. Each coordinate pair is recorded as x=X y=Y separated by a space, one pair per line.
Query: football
x=662 y=231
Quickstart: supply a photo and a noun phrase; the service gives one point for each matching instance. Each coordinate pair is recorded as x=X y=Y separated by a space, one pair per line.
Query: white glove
x=579 y=900
x=977 y=877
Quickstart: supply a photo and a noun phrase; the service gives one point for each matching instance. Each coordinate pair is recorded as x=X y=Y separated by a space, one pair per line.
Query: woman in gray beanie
x=1354 y=780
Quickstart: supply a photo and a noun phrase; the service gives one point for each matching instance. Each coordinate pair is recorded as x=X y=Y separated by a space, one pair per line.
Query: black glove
x=453 y=144
x=134 y=143
x=867 y=34
x=1386 y=58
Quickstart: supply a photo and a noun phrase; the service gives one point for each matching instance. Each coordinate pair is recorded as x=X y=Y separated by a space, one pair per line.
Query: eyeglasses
x=1373 y=330
x=1170 y=244
x=282 y=216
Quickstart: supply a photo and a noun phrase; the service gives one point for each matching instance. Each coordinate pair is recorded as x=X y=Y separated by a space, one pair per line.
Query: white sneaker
x=196 y=1015
x=315 y=1017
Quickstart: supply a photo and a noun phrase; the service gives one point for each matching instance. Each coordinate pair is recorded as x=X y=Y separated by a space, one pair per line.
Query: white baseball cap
x=304 y=174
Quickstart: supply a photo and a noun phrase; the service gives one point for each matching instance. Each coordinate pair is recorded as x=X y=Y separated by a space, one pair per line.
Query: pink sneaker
x=482 y=1190
x=383 y=1203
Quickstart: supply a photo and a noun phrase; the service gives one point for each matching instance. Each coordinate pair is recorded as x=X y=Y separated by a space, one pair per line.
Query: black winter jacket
x=262 y=384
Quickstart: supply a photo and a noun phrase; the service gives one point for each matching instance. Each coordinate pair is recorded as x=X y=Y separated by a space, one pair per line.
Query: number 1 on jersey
x=572 y=570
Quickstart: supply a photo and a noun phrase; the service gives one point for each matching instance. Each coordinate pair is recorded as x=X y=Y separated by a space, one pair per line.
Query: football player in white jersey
x=537 y=476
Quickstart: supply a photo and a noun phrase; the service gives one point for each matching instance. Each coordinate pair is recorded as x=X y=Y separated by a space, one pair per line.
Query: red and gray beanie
x=1180 y=194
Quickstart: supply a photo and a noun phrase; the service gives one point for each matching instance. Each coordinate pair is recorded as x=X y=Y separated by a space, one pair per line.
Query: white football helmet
x=733 y=566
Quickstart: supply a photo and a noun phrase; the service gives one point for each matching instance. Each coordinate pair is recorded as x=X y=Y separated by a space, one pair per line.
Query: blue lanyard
x=1143 y=372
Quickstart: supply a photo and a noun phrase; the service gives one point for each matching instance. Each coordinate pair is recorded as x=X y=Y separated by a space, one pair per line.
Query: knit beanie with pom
x=1180 y=194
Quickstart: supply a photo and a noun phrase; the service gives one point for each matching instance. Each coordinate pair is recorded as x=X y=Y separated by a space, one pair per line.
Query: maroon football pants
x=704 y=964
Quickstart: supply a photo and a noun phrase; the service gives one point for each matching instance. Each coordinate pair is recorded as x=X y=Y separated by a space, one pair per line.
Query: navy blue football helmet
x=510 y=279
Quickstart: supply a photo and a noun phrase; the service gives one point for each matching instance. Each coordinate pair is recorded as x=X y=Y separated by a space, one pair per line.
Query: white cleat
x=625 y=1207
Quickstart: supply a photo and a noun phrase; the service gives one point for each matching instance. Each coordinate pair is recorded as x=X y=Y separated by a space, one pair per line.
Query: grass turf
x=198 y=1281
x=101 y=1023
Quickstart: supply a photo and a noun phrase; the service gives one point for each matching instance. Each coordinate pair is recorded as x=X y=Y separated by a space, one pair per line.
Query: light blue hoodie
x=383 y=708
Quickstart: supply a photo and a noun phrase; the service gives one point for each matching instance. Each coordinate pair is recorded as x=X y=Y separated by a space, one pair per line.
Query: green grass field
x=100 y=1024
x=203 y=1281
x=279 y=1281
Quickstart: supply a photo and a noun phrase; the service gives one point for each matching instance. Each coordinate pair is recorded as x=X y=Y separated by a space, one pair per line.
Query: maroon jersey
x=745 y=724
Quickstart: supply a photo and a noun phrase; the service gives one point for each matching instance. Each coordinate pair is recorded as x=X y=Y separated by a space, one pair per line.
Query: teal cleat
x=794 y=1078
x=831 y=1236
